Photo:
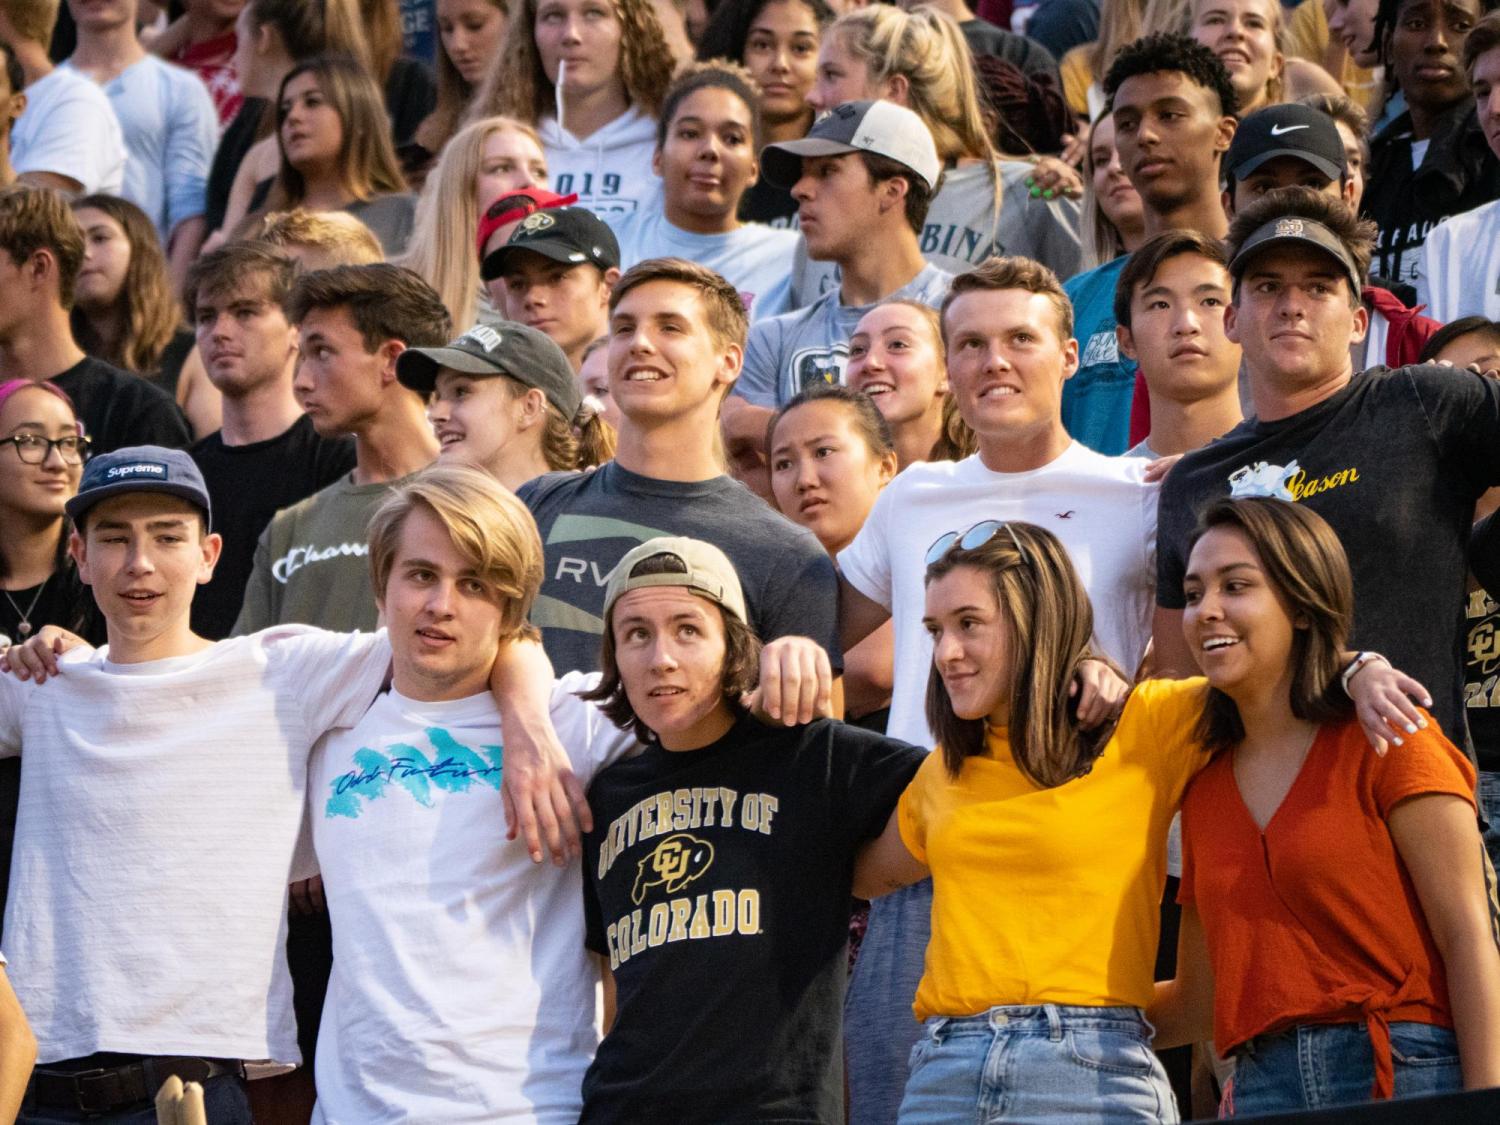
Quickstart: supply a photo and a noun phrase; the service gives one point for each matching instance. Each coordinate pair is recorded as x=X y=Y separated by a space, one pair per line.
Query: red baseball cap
x=513 y=205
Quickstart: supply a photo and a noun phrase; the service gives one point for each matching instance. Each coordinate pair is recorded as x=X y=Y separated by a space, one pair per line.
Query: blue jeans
x=1047 y=1063
x=879 y=1028
x=224 y=1103
x=1318 y=1066
x=1489 y=805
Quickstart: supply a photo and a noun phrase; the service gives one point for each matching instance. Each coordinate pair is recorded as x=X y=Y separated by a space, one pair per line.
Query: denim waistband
x=1043 y=1019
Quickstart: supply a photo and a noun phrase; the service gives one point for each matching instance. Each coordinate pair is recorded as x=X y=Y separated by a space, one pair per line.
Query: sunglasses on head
x=974 y=538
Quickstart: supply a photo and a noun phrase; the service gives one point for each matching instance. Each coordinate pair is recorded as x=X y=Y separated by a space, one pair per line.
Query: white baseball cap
x=877 y=127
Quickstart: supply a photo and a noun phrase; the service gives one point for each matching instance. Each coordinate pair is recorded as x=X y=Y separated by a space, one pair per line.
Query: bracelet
x=1356 y=664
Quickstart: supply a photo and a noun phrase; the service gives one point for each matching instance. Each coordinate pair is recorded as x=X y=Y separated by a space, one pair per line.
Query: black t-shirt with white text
x=1394 y=462
x=247 y=485
x=717 y=883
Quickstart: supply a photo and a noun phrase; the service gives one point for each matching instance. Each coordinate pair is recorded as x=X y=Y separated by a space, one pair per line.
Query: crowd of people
x=748 y=560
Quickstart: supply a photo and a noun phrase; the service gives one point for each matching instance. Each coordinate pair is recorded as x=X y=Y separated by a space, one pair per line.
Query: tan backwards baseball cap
x=696 y=566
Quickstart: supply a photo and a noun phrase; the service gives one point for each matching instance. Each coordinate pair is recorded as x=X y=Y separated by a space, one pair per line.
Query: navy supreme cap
x=140 y=468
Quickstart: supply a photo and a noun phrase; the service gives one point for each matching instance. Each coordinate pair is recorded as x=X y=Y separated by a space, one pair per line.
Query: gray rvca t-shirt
x=589 y=521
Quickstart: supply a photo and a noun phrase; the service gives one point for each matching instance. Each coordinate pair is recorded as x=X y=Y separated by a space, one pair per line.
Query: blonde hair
x=585 y=442
x=381 y=22
x=338 y=234
x=1185 y=12
x=517 y=86
x=925 y=47
x=1102 y=241
x=33 y=20
x=492 y=529
x=447 y=220
x=1120 y=22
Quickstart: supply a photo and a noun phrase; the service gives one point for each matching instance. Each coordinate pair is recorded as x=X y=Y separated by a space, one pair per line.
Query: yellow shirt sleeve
x=1159 y=726
x=1076 y=78
x=911 y=809
x=1307 y=32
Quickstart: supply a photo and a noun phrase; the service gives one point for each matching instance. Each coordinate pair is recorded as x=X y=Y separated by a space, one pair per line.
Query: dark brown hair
x=1141 y=266
x=227 y=268
x=740 y=674
x=1357 y=235
x=869 y=423
x=918 y=194
x=1483 y=37
x=1305 y=564
x=1048 y=622
x=385 y=302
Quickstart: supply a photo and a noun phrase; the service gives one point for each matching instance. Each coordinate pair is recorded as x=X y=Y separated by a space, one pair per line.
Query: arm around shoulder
x=886 y=864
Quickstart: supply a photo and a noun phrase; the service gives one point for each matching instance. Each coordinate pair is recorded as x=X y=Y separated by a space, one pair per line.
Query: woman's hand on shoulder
x=1383 y=704
x=1100 y=692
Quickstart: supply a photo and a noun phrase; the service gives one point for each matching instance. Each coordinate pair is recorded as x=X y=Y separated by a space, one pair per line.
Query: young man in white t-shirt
x=68 y=137
x=461 y=988
x=1461 y=256
x=1008 y=327
x=160 y=808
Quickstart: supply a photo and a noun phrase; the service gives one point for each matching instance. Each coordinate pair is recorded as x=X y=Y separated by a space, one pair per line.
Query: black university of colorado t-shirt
x=1394 y=462
x=717 y=883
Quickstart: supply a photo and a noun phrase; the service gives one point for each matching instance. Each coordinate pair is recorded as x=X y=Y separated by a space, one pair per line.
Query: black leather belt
x=126 y=1086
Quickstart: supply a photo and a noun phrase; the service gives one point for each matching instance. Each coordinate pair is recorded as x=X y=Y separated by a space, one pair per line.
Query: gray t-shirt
x=797 y=349
x=312 y=563
x=963 y=228
x=589 y=521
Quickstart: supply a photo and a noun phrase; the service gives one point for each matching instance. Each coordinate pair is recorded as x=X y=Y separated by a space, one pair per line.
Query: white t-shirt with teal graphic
x=461 y=989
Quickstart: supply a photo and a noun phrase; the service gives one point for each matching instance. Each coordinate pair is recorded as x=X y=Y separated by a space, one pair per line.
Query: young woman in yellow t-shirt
x=1046 y=844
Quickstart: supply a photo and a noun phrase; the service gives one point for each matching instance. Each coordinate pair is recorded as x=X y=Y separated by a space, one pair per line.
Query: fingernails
x=1030 y=182
x=1411 y=728
x=1035 y=191
x=1048 y=194
x=1398 y=742
x=1422 y=724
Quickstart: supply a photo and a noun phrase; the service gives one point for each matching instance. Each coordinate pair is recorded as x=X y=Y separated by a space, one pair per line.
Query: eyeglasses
x=974 y=538
x=33 y=449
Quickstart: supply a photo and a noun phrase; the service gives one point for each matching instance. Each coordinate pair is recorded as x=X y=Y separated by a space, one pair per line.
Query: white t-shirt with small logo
x=461 y=988
x=1099 y=507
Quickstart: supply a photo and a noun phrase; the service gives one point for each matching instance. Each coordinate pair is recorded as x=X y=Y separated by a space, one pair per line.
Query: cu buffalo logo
x=673 y=864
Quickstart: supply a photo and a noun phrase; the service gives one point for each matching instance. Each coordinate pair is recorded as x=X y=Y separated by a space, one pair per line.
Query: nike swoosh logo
x=1278 y=130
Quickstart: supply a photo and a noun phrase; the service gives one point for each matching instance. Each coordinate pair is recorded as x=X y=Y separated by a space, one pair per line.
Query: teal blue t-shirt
x=1096 y=400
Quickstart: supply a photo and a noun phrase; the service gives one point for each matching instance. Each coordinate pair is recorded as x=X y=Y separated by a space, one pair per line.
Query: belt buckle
x=104 y=1090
